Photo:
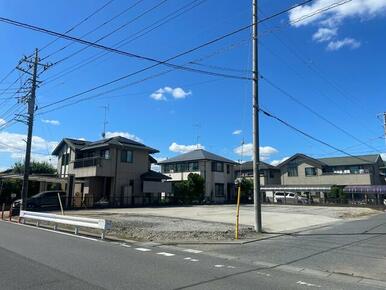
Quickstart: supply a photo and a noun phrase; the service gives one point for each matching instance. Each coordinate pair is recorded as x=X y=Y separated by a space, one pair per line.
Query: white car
x=290 y=198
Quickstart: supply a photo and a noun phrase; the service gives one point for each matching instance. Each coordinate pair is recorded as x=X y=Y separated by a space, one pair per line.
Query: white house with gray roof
x=217 y=171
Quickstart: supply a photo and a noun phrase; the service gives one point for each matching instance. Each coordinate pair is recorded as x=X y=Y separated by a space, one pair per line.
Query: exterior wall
x=265 y=176
x=327 y=178
x=211 y=178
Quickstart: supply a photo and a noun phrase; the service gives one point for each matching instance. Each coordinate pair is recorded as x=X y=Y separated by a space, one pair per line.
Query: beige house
x=269 y=174
x=359 y=170
x=217 y=171
x=115 y=169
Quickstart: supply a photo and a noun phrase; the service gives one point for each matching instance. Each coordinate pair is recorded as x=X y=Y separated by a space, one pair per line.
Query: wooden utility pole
x=255 y=102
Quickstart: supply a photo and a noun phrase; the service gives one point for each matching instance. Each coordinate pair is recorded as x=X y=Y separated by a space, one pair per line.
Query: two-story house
x=352 y=170
x=217 y=171
x=114 y=169
x=269 y=174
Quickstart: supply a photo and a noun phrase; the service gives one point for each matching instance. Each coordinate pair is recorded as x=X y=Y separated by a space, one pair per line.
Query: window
x=65 y=158
x=228 y=168
x=310 y=171
x=193 y=166
x=219 y=189
x=271 y=175
x=105 y=154
x=217 y=166
x=292 y=170
x=127 y=156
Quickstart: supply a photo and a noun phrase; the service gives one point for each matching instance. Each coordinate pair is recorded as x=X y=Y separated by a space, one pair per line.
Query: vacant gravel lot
x=216 y=222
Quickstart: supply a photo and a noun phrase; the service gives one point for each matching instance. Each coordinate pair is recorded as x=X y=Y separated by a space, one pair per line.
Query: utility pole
x=30 y=100
x=255 y=102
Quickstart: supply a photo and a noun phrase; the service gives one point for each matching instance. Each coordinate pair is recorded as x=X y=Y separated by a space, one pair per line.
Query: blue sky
x=333 y=63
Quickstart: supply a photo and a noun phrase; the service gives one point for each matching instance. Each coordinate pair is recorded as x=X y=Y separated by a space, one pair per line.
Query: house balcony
x=93 y=166
x=179 y=176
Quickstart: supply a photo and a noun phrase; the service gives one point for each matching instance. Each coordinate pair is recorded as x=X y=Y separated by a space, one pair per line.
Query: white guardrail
x=67 y=220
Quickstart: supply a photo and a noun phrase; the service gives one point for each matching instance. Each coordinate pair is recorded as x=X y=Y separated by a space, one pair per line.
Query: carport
x=317 y=193
x=367 y=194
x=66 y=184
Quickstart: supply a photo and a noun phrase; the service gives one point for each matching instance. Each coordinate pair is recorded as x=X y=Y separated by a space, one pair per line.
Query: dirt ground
x=216 y=222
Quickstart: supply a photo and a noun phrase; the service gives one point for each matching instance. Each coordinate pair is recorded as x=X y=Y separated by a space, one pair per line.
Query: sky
x=322 y=72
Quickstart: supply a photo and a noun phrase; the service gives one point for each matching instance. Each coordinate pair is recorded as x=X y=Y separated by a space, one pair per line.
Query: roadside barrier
x=83 y=222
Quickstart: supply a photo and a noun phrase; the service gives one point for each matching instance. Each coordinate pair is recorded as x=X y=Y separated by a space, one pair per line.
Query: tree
x=36 y=168
x=190 y=190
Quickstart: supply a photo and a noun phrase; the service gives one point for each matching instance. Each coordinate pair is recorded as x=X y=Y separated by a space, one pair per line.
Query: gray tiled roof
x=198 y=154
x=348 y=160
x=249 y=166
x=117 y=141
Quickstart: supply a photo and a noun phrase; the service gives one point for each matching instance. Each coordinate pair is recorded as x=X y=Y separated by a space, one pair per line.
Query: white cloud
x=277 y=162
x=324 y=34
x=174 y=147
x=329 y=20
x=51 y=122
x=338 y=44
x=364 y=9
x=383 y=155
x=2 y=122
x=247 y=150
x=176 y=93
x=123 y=134
x=237 y=132
x=14 y=144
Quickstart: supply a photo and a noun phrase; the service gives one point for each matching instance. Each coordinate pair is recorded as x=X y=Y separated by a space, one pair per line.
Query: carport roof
x=322 y=187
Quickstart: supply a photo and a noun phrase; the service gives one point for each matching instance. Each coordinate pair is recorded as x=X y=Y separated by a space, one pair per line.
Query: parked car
x=42 y=201
x=290 y=198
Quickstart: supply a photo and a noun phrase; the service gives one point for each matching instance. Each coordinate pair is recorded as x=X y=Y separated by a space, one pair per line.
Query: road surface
x=33 y=258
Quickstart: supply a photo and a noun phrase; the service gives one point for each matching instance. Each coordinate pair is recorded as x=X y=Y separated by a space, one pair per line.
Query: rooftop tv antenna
x=105 y=122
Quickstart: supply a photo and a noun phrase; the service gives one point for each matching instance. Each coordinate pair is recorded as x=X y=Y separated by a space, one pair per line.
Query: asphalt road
x=33 y=258
x=356 y=249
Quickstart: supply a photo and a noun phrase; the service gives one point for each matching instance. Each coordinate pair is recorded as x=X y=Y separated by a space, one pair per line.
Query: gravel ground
x=167 y=229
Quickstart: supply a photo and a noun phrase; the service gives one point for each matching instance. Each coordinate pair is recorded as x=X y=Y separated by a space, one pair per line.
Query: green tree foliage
x=36 y=168
x=337 y=193
x=9 y=186
x=190 y=190
x=246 y=190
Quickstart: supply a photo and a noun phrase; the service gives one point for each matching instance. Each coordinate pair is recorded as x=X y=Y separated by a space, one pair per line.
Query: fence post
x=2 y=211
x=10 y=214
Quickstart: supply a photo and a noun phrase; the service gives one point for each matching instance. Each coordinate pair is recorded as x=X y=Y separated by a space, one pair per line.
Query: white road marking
x=231 y=267
x=193 y=251
x=166 y=254
x=219 y=266
x=263 y=274
x=143 y=249
x=194 y=260
x=308 y=284
x=126 y=246
x=187 y=258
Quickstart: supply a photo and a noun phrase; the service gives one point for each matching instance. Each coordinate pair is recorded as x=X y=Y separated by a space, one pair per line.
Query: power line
x=308 y=135
x=164 y=20
x=78 y=24
x=91 y=31
x=128 y=54
x=314 y=112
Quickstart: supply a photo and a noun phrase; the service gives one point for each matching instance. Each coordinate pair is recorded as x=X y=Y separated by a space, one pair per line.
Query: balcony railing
x=88 y=162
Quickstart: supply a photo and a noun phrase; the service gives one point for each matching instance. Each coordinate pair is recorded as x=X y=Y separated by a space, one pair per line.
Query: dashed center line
x=166 y=254
x=143 y=249
x=308 y=284
x=126 y=246
x=192 y=251
x=219 y=266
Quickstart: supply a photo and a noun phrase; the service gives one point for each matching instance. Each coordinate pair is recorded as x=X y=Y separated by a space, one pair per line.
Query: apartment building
x=114 y=169
x=217 y=171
